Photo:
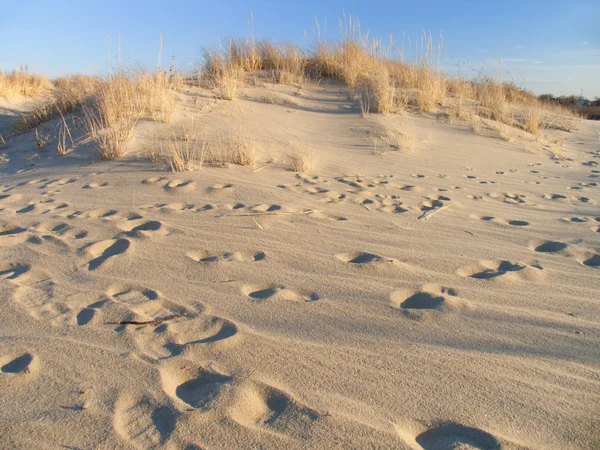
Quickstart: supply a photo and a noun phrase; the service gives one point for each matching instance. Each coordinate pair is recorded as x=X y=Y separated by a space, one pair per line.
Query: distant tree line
x=589 y=109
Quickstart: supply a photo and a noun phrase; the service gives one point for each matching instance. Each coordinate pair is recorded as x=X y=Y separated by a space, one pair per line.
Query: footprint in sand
x=364 y=258
x=508 y=197
x=502 y=270
x=452 y=435
x=142 y=422
x=554 y=247
x=199 y=388
x=190 y=337
x=141 y=228
x=554 y=197
x=427 y=300
x=177 y=207
x=12 y=234
x=34 y=291
x=260 y=405
x=42 y=207
x=498 y=221
x=24 y=364
x=179 y=186
x=575 y=219
x=205 y=256
x=261 y=293
x=220 y=187
x=434 y=202
x=99 y=185
x=61 y=229
x=100 y=252
x=153 y=180
x=60 y=182
x=590 y=260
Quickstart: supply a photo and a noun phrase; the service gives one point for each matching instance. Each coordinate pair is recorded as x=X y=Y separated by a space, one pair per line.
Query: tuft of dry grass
x=505 y=131
x=273 y=99
x=533 y=121
x=299 y=157
x=403 y=141
x=186 y=152
x=22 y=83
x=476 y=123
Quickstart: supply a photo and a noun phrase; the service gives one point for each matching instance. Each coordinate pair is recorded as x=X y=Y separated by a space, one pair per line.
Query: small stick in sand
x=152 y=322
x=258 y=224
x=427 y=214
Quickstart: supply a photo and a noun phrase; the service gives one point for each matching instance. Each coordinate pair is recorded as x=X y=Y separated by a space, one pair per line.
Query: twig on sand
x=152 y=322
x=260 y=227
x=427 y=214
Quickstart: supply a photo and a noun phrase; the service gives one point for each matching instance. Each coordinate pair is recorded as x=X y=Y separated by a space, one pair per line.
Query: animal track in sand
x=25 y=363
x=456 y=436
x=502 y=269
x=205 y=256
x=99 y=185
x=498 y=221
x=143 y=228
x=429 y=298
x=102 y=251
x=260 y=293
x=179 y=186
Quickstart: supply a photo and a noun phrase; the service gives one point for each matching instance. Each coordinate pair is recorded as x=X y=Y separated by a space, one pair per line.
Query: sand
x=307 y=310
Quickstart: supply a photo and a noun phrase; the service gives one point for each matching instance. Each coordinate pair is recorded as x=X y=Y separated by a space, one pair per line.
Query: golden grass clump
x=22 y=83
x=403 y=141
x=186 y=152
x=225 y=76
x=533 y=121
x=299 y=157
x=113 y=114
x=476 y=123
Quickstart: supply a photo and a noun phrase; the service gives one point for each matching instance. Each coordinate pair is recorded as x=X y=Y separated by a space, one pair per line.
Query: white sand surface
x=317 y=310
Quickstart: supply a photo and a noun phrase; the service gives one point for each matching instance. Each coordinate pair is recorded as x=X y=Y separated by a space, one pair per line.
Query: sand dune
x=303 y=310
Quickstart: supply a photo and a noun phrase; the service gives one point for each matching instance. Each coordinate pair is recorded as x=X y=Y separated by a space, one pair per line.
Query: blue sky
x=545 y=46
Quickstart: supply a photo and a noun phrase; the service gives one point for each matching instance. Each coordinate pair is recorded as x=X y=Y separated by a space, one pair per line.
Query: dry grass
x=299 y=157
x=403 y=141
x=22 y=83
x=187 y=151
x=120 y=101
x=273 y=99
x=533 y=121
x=505 y=131
x=236 y=146
x=476 y=123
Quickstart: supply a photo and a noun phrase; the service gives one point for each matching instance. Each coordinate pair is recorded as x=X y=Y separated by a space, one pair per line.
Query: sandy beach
x=444 y=297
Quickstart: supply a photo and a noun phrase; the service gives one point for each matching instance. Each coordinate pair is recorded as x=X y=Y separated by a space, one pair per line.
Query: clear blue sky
x=546 y=46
